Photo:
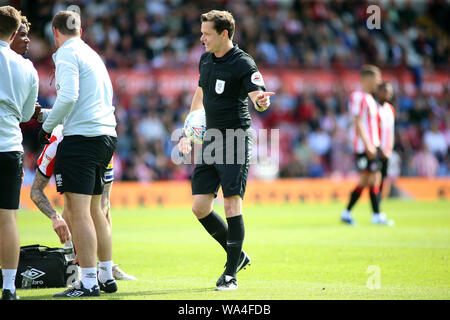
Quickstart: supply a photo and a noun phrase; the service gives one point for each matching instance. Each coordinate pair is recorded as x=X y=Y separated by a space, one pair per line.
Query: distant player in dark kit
x=228 y=76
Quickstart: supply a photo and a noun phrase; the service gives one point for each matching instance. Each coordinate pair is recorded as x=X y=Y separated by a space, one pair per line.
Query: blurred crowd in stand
x=324 y=35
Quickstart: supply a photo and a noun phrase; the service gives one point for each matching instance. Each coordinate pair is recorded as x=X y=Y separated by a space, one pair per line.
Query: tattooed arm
x=38 y=196
x=40 y=199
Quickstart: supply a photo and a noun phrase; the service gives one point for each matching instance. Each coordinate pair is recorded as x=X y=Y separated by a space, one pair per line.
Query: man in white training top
x=84 y=106
x=19 y=85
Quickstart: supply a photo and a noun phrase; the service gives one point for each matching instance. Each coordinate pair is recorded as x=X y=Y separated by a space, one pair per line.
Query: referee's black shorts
x=229 y=168
x=81 y=163
x=11 y=164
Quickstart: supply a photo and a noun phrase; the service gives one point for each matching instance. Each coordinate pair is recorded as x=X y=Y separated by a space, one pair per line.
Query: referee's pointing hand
x=263 y=99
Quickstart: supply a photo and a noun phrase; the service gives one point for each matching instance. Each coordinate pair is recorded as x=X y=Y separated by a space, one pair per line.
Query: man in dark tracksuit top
x=228 y=76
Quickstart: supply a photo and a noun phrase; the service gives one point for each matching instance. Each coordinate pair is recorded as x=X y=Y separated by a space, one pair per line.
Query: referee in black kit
x=228 y=76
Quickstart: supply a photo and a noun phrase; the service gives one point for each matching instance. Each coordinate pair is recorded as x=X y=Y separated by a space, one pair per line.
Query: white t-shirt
x=19 y=85
x=84 y=92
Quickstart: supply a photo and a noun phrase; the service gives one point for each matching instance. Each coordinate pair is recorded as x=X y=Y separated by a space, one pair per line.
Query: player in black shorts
x=228 y=76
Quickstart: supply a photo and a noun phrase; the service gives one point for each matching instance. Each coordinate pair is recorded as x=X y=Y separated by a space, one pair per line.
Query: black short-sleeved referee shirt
x=226 y=82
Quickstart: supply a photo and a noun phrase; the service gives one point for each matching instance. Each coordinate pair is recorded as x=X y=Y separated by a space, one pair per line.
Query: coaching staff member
x=227 y=76
x=84 y=106
x=19 y=85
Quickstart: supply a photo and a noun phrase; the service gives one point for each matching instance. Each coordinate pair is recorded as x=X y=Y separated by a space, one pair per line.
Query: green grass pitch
x=298 y=252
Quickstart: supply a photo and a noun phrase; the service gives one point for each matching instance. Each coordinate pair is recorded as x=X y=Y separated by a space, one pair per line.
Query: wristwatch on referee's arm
x=259 y=107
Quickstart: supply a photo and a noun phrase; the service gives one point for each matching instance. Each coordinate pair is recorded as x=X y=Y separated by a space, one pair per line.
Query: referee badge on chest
x=220 y=86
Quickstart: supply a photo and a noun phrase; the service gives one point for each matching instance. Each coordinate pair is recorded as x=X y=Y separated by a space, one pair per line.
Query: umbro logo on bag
x=32 y=273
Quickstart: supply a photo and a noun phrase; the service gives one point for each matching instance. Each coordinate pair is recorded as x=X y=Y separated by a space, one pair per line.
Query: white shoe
x=120 y=275
x=381 y=219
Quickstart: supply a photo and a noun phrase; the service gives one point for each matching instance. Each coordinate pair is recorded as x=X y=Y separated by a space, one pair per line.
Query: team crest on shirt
x=257 y=79
x=220 y=86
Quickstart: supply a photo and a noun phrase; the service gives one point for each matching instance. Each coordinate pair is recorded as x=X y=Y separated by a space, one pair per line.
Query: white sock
x=105 y=271
x=9 y=278
x=89 y=277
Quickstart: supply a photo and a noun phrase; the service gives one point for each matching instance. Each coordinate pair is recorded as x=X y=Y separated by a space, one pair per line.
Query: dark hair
x=385 y=85
x=67 y=22
x=370 y=70
x=25 y=22
x=9 y=21
x=222 y=20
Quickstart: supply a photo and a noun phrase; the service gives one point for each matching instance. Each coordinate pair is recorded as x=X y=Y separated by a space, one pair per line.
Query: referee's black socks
x=235 y=239
x=216 y=227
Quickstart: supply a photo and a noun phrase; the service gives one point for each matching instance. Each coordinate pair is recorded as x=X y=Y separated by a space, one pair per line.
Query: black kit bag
x=43 y=267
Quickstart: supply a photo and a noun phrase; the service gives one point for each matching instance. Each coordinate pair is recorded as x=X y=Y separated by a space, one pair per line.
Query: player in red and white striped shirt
x=46 y=160
x=364 y=131
x=365 y=141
